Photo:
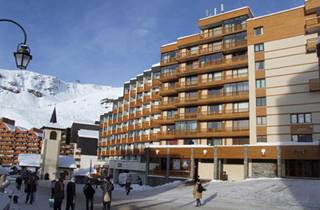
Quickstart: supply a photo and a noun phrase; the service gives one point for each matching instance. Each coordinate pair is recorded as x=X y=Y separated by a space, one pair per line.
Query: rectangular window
x=240 y=124
x=259 y=65
x=193 y=94
x=240 y=141
x=258 y=31
x=260 y=83
x=215 y=108
x=214 y=141
x=261 y=101
x=302 y=138
x=262 y=120
x=191 y=109
x=261 y=139
x=215 y=125
x=259 y=47
x=191 y=80
x=301 y=118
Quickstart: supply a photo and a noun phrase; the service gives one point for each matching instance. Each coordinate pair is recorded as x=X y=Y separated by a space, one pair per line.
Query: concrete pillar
x=219 y=168
x=192 y=164
x=279 y=162
x=215 y=162
x=245 y=161
x=168 y=165
x=115 y=175
x=147 y=155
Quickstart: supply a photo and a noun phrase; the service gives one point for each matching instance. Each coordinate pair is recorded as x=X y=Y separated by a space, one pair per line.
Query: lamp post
x=22 y=55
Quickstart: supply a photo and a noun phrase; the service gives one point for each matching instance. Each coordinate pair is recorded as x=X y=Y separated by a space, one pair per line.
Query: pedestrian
x=139 y=181
x=53 y=184
x=107 y=188
x=30 y=189
x=19 y=182
x=58 y=194
x=89 y=193
x=197 y=192
x=128 y=184
x=71 y=193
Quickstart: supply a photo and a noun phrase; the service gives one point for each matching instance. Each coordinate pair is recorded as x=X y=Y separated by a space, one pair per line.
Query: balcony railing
x=213 y=65
x=168 y=76
x=312 y=44
x=313 y=24
x=168 y=61
x=223 y=31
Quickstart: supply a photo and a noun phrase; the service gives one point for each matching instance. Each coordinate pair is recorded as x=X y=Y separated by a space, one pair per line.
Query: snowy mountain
x=29 y=98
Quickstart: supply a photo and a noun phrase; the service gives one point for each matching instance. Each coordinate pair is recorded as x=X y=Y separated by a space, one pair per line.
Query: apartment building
x=238 y=99
x=16 y=140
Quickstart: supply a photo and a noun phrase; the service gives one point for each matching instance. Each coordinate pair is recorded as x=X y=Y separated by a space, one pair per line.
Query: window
x=259 y=47
x=261 y=101
x=241 y=107
x=240 y=141
x=258 y=31
x=215 y=108
x=262 y=120
x=193 y=94
x=260 y=83
x=191 y=80
x=261 y=139
x=215 y=125
x=301 y=118
x=214 y=141
x=240 y=124
x=192 y=109
x=186 y=125
x=53 y=135
x=259 y=65
x=302 y=138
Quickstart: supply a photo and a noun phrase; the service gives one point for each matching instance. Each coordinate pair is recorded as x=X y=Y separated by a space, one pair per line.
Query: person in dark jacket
x=71 y=193
x=30 y=189
x=128 y=184
x=58 y=194
x=107 y=188
x=19 y=182
x=89 y=193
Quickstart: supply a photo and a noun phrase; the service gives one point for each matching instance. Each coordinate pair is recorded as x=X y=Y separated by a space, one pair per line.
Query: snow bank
x=88 y=134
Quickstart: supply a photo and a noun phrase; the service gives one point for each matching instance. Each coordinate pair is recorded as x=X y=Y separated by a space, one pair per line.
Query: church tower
x=50 y=151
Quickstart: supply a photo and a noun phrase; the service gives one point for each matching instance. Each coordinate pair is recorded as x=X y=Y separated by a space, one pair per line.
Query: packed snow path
x=262 y=194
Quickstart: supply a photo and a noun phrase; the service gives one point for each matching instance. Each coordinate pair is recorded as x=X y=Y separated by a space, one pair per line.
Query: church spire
x=53 y=116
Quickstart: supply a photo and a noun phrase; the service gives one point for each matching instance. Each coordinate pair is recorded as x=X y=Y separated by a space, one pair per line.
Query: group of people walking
x=58 y=194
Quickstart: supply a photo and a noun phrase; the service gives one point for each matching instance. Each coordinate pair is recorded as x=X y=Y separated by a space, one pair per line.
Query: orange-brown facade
x=16 y=140
x=217 y=101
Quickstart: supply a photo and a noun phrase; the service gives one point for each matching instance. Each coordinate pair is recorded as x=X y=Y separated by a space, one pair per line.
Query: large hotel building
x=238 y=99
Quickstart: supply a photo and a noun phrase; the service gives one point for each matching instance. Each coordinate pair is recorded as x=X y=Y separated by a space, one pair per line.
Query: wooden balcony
x=314 y=85
x=312 y=45
x=132 y=115
x=140 y=89
x=155 y=109
x=210 y=82
x=132 y=103
x=126 y=96
x=167 y=119
x=146 y=112
x=168 y=104
x=206 y=133
x=155 y=96
x=169 y=90
x=138 y=102
x=156 y=83
x=155 y=122
x=313 y=25
x=146 y=125
x=212 y=99
x=133 y=92
x=168 y=76
x=145 y=138
x=138 y=114
x=260 y=74
x=147 y=86
x=169 y=61
x=146 y=99
x=311 y=6
x=138 y=126
x=130 y=127
x=213 y=35
x=218 y=65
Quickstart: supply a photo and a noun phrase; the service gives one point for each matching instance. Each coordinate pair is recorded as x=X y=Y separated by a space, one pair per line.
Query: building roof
x=94 y=134
x=29 y=160
x=67 y=162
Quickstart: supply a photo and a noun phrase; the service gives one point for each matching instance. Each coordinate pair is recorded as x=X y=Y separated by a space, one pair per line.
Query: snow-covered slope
x=29 y=98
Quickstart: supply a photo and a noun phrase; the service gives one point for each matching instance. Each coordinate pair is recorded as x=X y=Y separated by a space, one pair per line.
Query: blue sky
x=106 y=41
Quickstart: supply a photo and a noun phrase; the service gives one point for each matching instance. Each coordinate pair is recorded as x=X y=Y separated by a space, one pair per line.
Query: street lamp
x=22 y=56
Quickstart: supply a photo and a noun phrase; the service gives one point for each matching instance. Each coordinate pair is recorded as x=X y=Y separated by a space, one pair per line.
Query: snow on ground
x=252 y=194
x=29 y=98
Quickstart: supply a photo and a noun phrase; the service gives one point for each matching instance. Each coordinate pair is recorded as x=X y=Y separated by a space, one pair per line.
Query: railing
x=312 y=21
x=312 y=44
x=199 y=67
x=168 y=61
x=223 y=30
x=168 y=75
